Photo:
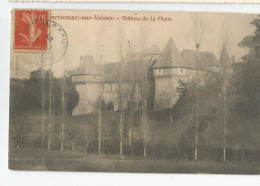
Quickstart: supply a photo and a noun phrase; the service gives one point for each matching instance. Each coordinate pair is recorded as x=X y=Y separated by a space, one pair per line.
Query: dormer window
x=160 y=71
x=116 y=88
x=181 y=70
x=107 y=88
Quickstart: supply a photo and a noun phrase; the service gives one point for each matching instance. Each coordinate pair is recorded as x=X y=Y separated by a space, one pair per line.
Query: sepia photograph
x=134 y=92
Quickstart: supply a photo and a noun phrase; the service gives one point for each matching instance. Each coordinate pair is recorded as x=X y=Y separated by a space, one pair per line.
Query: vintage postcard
x=138 y=92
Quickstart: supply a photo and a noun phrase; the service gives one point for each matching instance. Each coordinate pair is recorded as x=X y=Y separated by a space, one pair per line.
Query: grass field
x=44 y=160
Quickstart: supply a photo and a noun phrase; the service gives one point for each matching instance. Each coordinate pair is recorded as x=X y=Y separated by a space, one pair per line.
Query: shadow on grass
x=50 y=160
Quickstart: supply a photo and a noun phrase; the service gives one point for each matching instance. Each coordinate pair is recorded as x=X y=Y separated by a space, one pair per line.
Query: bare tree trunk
x=120 y=91
x=224 y=117
x=100 y=110
x=143 y=61
x=21 y=135
x=121 y=114
x=63 y=106
x=200 y=28
x=132 y=94
x=121 y=132
x=43 y=103
x=99 y=127
x=145 y=105
x=50 y=105
x=196 y=102
x=225 y=41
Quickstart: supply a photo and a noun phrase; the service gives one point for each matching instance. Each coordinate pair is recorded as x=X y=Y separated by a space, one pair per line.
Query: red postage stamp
x=31 y=29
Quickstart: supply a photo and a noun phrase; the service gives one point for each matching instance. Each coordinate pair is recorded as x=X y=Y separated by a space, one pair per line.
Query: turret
x=88 y=79
x=225 y=61
x=167 y=71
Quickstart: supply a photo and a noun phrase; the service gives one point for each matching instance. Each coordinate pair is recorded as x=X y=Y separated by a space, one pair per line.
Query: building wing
x=87 y=66
x=170 y=57
x=205 y=60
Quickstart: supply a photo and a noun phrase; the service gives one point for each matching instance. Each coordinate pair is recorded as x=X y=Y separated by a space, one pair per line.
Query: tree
x=246 y=80
x=32 y=92
x=209 y=97
x=71 y=94
x=199 y=27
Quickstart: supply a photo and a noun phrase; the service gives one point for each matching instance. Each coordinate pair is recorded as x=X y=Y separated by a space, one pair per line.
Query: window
x=160 y=71
x=107 y=88
x=116 y=88
x=182 y=70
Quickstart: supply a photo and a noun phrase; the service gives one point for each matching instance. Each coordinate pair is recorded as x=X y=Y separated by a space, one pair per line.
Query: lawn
x=44 y=160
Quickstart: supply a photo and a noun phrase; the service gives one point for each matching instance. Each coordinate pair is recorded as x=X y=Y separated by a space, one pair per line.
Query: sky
x=102 y=38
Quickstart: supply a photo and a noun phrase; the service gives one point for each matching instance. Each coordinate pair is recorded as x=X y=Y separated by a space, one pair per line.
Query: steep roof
x=87 y=66
x=170 y=57
x=111 y=72
x=224 y=60
x=130 y=69
x=205 y=59
x=153 y=50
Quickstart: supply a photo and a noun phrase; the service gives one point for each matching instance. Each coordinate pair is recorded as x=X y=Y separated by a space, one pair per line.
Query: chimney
x=233 y=59
x=81 y=59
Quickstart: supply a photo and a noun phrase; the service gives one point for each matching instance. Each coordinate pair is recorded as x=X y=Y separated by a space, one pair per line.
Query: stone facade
x=173 y=67
x=164 y=71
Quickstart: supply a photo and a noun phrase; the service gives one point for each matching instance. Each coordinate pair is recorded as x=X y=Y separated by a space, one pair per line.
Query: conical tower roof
x=153 y=50
x=170 y=57
x=224 y=60
x=87 y=66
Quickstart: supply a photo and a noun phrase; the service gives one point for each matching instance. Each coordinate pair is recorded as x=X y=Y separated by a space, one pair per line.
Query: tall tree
x=199 y=26
x=143 y=32
x=121 y=88
x=100 y=107
x=132 y=94
x=50 y=107
x=63 y=103
x=209 y=97
x=43 y=102
x=246 y=81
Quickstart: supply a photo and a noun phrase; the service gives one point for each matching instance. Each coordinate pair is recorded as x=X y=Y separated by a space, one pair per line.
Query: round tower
x=167 y=71
x=88 y=79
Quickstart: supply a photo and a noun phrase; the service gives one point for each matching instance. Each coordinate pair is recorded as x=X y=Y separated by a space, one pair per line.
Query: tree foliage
x=26 y=94
x=246 y=80
x=209 y=97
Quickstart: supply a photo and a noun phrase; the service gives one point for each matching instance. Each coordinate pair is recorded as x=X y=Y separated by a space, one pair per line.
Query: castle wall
x=111 y=94
x=216 y=69
x=164 y=93
x=166 y=83
x=201 y=76
x=228 y=71
x=170 y=71
x=88 y=98
x=82 y=78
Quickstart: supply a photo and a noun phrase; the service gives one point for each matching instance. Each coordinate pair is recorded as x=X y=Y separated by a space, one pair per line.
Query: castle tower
x=225 y=61
x=167 y=71
x=88 y=79
x=153 y=52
